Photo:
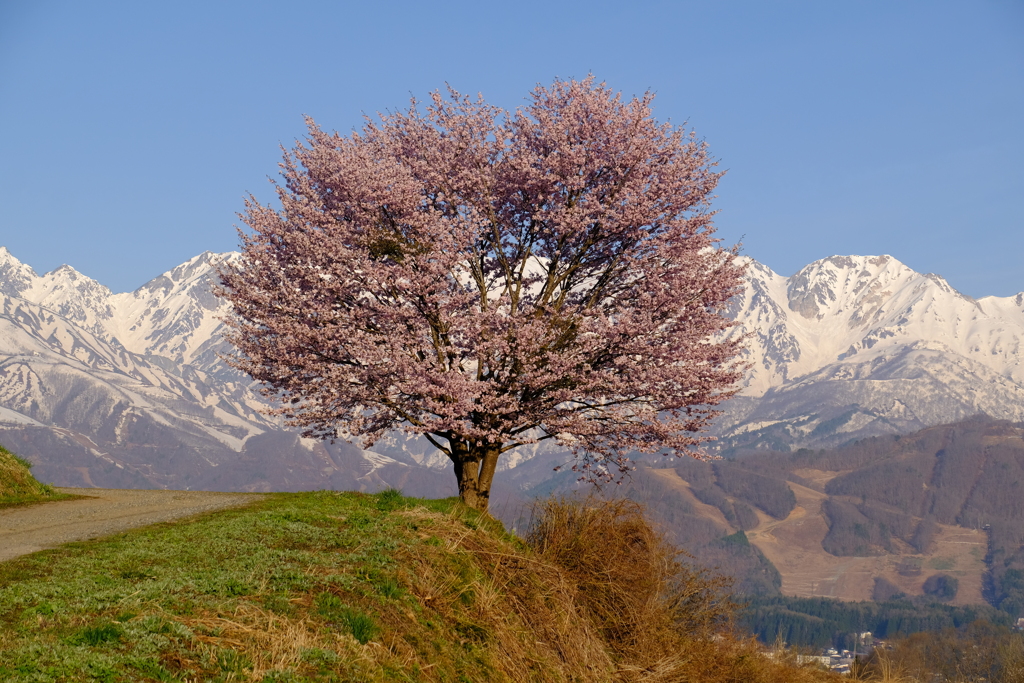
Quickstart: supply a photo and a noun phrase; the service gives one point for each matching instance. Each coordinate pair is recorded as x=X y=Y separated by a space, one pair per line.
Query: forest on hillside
x=890 y=495
x=969 y=474
x=824 y=622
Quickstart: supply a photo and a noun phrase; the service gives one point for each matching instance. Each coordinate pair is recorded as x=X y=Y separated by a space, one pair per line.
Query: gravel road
x=25 y=530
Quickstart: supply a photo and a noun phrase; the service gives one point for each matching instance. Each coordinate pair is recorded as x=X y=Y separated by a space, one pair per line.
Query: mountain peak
x=65 y=276
x=828 y=285
x=196 y=269
x=15 y=276
x=66 y=271
x=867 y=331
x=9 y=259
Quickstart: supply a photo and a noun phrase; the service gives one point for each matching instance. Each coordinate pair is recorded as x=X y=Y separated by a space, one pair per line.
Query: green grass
x=21 y=501
x=19 y=487
x=941 y=563
x=326 y=586
x=309 y=579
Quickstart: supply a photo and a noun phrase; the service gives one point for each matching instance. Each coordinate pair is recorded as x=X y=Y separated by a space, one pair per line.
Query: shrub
x=630 y=580
x=942 y=586
x=886 y=590
x=850 y=532
x=980 y=651
x=771 y=494
x=924 y=534
x=746 y=518
x=663 y=621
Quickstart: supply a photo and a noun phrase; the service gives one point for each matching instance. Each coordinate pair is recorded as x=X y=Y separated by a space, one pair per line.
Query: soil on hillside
x=27 y=529
x=794 y=546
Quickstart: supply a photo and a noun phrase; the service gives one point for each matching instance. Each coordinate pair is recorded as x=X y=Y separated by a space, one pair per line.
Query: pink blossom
x=491 y=279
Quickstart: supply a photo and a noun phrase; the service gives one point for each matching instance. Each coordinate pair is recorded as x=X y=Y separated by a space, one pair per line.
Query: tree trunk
x=474 y=470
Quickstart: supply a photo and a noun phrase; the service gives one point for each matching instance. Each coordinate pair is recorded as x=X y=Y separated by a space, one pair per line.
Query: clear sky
x=130 y=131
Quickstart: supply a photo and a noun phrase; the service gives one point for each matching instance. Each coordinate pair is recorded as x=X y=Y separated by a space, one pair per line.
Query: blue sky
x=130 y=131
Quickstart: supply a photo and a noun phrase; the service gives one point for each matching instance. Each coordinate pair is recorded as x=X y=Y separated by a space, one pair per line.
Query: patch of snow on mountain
x=9 y=416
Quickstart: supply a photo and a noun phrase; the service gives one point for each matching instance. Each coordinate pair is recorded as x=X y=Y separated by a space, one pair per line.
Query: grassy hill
x=351 y=587
x=17 y=485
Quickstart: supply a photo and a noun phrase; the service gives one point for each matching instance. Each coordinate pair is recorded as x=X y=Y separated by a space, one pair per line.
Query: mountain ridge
x=848 y=347
x=867 y=334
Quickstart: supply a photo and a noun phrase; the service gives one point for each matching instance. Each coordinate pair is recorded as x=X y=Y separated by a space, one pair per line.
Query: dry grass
x=883 y=668
x=348 y=587
x=977 y=652
x=662 y=621
x=629 y=578
x=267 y=641
x=525 y=608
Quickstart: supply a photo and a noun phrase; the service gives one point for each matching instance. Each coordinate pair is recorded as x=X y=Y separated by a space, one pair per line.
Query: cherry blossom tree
x=490 y=279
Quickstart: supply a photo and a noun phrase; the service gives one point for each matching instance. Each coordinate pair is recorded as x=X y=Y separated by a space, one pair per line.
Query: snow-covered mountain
x=174 y=316
x=128 y=389
x=853 y=346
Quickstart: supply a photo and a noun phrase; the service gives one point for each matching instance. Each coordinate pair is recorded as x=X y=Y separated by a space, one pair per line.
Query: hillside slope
x=878 y=518
x=17 y=485
x=349 y=587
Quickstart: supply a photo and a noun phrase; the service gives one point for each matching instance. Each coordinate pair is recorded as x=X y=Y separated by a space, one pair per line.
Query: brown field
x=682 y=487
x=794 y=546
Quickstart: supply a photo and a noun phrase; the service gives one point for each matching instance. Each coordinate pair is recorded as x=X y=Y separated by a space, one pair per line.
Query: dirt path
x=25 y=530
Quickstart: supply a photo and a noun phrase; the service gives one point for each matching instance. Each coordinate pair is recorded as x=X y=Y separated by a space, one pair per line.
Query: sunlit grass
x=334 y=587
x=308 y=562
x=19 y=487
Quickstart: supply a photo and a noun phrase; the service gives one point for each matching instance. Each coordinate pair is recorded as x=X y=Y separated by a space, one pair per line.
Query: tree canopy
x=489 y=279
